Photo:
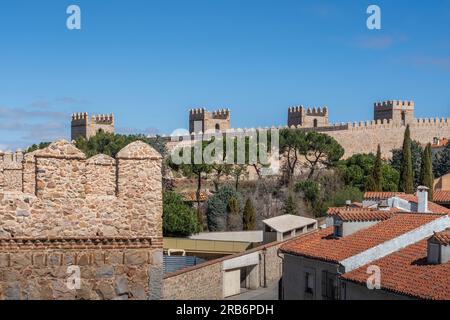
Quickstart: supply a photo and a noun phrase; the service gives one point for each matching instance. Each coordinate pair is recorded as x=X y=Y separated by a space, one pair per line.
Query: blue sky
x=150 y=61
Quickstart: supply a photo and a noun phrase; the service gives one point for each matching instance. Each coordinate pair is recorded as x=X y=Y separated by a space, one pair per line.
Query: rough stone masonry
x=61 y=212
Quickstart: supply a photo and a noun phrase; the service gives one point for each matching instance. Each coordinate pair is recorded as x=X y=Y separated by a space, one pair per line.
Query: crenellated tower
x=203 y=120
x=308 y=117
x=399 y=112
x=83 y=126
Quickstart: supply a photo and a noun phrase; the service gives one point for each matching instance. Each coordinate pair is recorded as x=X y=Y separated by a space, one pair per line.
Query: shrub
x=179 y=219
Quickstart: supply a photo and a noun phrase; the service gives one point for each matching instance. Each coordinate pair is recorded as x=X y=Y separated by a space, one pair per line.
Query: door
x=231 y=283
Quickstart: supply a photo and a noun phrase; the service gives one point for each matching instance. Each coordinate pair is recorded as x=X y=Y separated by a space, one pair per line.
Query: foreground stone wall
x=204 y=283
x=33 y=269
x=69 y=207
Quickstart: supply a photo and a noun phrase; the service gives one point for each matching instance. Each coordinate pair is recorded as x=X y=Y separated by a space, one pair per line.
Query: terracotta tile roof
x=442 y=143
x=364 y=215
x=442 y=237
x=407 y=272
x=372 y=195
x=441 y=196
x=333 y=210
x=324 y=246
x=434 y=207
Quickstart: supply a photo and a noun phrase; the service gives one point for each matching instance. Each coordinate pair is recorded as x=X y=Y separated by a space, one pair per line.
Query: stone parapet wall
x=67 y=195
x=98 y=213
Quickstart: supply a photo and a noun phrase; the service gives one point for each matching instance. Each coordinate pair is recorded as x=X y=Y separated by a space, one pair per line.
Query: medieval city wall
x=364 y=136
x=58 y=203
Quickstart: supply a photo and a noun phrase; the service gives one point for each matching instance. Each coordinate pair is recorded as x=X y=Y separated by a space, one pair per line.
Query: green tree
x=194 y=166
x=357 y=170
x=310 y=188
x=416 y=156
x=110 y=143
x=426 y=176
x=237 y=172
x=441 y=162
x=249 y=216
x=390 y=179
x=292 y=144
x=406 y=183
x=179 y=219
x=375 y=181
x=322 y=150
x=218 y=208
x=39 y=146
x=289 y=206
x=339 y=197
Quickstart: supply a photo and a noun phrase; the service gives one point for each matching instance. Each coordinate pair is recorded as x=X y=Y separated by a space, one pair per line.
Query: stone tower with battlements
x=399 y=112
x=203 y=120
x=308 y=117
x=83 y=126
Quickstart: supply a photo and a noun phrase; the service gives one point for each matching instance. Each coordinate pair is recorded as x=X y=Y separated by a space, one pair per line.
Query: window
x=329 y=286
x=315 y=123
x=309 y=283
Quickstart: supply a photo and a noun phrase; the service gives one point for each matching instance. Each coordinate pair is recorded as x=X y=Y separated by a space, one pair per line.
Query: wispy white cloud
x=41 y=103
x=323 y=10
x=72 y=100
x=441 y=63
x=20 y=113
x=375 y=42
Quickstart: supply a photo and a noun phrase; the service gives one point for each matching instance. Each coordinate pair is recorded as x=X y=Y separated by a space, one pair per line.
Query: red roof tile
x=407 y=272
x=434 y=207
x=442 y=143
x=442 y=237
x=364 y=215
x=373 y=195
x=353 y=207
x=441 y=196
x=324 y=246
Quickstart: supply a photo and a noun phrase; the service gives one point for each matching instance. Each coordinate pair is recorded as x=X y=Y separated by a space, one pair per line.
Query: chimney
x=422 y=196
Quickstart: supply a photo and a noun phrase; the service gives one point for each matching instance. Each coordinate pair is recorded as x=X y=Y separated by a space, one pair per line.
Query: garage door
x=231 y=283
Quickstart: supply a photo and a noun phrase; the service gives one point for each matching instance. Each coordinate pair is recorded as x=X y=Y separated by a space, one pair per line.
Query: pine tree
x=289 y=206
x=375 y=182
x=426 y=176
x=249 y=219
x=406 y=183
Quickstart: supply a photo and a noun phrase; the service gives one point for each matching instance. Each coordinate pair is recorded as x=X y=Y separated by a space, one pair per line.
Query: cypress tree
x=249 y=217
x=375 y=182
x=426 y=176
x=289 y=206
x=406 y=183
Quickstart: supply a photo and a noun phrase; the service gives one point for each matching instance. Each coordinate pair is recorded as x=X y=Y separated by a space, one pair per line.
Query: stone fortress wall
x=387 y=128
x=202 y=120
x=103 y=215
x=84 y=126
